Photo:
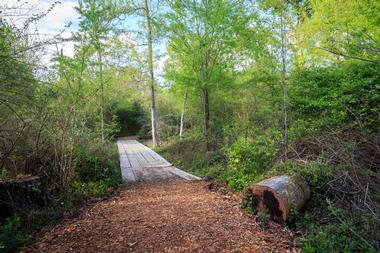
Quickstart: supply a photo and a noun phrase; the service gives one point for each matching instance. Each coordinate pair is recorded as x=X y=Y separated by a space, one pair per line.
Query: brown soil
x=166 y=217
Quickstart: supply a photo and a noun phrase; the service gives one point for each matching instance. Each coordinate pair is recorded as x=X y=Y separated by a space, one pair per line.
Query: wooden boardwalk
x=140 y=163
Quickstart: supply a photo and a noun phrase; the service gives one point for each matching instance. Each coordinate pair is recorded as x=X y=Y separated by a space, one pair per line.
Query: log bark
x=277 y=195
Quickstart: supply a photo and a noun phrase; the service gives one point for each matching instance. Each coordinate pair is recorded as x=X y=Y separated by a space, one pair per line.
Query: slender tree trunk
x=151 y=75
x=284 y=86
x=181 y=128
x=101 y=93
x=205 y=74
x=206 y=116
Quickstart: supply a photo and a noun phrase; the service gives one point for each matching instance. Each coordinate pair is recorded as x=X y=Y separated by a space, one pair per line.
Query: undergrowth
x=322 y=226
x=97 y=175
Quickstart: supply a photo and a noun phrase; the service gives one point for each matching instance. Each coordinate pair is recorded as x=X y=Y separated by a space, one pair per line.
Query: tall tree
x=142 y=9
x=202 y=44
x=94 y=27
x=285 y=17
x=148 y=19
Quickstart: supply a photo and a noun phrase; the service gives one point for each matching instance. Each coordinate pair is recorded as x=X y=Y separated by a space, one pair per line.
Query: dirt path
x=175 y=216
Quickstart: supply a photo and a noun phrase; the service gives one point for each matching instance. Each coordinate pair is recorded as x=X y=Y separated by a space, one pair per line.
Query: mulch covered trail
x=174 y=216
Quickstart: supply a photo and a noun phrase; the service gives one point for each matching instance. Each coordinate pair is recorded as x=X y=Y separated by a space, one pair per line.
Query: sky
x=56 y=20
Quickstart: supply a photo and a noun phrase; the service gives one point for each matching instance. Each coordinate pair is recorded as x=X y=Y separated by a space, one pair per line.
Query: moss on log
x=277 y=195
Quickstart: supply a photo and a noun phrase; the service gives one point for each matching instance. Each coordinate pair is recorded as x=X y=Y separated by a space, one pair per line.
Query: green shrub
x=11 y=236
x=247 y=160
x=132 y=119
x=4 y=174
x=81 y=190
x=334 y=238
x=341 y=93
x=327 y=228
x=98 y=162
x=239 y=182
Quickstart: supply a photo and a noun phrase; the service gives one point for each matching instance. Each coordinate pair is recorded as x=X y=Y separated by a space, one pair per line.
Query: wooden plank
x=182 y=174
x=140 y=163
x=125 y=166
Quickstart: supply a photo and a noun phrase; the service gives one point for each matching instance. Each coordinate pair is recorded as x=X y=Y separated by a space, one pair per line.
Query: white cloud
x=52 y=24
x=56 y=20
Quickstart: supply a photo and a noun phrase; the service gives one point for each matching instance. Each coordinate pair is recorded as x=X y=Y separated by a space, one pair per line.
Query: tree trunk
x=206 y=114
x=151 y=74
x=284 y=86
x=181 y=128
x=101 y=92
x=277 y=195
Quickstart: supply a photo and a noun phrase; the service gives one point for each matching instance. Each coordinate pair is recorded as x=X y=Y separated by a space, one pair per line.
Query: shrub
x=334 y=238
x=342 y=93
x=4 y=174
x=81 y=190
x=247 y=160
x=98 y=162
x=132 y=119
x=11 y=237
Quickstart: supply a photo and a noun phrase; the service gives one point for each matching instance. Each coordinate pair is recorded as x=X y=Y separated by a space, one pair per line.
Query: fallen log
x=277 y=195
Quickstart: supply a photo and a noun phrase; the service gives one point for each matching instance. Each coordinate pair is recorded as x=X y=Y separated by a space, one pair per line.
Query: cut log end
x=277 y=195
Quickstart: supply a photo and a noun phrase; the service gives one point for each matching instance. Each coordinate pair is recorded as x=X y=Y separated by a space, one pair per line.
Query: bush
x=97 y=173
x=247 y=160
x=342 y=93
x=81 y=190
x=132 y=119
x=98 y=162
x=333 y=238
x=11 y=237
x=325 y=227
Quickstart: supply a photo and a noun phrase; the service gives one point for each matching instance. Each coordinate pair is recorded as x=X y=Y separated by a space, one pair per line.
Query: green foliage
x=333 y=238
x=4 y=174
x=343 y=93
x=97 y=162
x=11 y=238
x=339 y=234
x=81 y=190
x=351 y=32
x=97 y=171
x=251 y=157
x=132 y=120
x=248 y=159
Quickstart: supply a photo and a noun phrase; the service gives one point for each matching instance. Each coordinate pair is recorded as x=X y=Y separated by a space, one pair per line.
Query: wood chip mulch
x=166 y=217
